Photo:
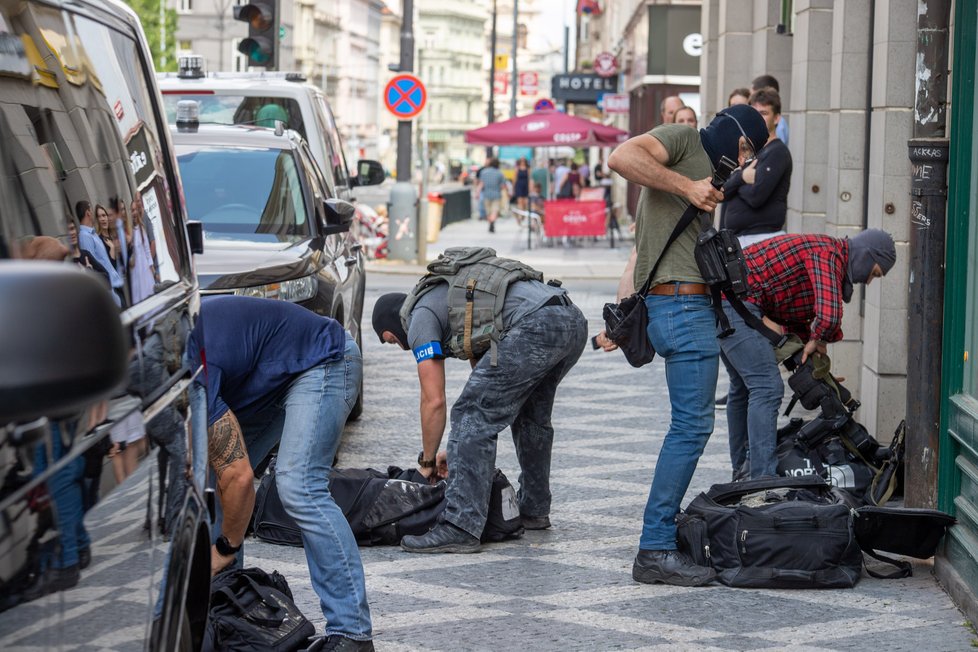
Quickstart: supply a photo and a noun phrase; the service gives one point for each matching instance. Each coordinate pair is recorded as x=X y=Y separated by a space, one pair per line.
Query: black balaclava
x=386 y=316
x=722 y=136
x=866 y=249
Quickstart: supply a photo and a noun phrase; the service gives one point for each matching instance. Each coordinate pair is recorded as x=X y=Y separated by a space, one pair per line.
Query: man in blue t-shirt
x=277 y=373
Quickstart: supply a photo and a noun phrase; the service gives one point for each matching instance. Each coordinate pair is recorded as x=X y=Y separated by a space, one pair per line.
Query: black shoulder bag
x=627 y=322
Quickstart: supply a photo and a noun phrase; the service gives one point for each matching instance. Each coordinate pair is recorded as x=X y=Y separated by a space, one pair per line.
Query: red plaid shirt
x=797 y=282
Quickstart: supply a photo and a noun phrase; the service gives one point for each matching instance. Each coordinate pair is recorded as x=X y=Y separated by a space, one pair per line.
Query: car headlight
x=295 y=290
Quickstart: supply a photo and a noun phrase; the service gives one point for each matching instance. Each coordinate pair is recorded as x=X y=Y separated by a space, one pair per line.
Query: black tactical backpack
x=477 y=283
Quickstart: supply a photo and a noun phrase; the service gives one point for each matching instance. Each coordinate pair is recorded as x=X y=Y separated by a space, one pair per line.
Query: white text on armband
x=427 y=351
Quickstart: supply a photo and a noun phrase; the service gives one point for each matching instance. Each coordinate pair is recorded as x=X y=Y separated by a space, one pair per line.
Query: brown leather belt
x=680 y=288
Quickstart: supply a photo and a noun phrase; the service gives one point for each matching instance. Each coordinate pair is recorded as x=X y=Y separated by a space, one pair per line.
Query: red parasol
x=546 y=128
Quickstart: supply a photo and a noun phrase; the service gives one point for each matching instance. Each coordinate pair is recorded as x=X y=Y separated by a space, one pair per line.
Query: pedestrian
x=490 y=188
x=89 y=241
x=768 y=81
x=755 y=197
x=673 y=164
x=541 y=175
x=738 y=96
x=277 y=373
x=800 y=282
x=521 y=184
x=668 y=107
x=685 y=116
x=543 y=335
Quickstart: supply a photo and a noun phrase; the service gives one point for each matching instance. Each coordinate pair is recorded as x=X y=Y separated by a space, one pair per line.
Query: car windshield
x=238 y=109
x=244 y=193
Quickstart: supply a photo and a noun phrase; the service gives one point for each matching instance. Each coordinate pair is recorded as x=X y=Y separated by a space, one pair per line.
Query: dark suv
x=104 y=536
x=272 y=228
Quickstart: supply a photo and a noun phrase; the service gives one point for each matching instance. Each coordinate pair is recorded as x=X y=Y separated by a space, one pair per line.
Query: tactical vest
x=477 y=284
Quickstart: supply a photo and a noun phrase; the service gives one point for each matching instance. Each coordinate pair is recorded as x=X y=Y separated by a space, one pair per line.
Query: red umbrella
x=545 y=128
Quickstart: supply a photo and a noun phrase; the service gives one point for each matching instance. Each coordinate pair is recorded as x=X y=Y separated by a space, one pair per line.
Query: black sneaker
x=492 y=227
x=721 y=402
x=535 y=522
x=337 y=643
x=670 y=567
x=444 y=537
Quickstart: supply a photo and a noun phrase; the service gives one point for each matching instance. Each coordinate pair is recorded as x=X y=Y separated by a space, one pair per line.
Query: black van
x=104 y=535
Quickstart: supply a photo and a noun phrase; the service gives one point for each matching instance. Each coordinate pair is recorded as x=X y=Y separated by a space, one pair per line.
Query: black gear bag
x=383 y=507
x=253 y=611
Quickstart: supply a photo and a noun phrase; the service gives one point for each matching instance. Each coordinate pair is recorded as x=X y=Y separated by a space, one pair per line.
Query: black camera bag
x=799 y=536
x=252 y=611
x=382 y=507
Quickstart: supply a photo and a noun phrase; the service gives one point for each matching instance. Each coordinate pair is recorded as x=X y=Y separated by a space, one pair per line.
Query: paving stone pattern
x=570 y=587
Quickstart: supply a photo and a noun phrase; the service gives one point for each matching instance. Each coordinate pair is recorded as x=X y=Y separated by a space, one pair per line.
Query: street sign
x=615 y=103
x=529 y=83
x=605 y=64
x=546 y=104
x=501 y=83
x=502 y=62
x=405 y=96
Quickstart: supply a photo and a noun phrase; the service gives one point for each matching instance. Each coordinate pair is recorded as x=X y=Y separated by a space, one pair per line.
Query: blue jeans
x=754 y=398
x=306 y=419
x=65 y=488
x=682 y=329
x=534 y=356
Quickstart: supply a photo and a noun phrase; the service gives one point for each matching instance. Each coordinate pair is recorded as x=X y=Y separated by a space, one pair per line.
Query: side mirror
x=370 y=173
x=195 y=234
x=62 y=341
x=339 y=216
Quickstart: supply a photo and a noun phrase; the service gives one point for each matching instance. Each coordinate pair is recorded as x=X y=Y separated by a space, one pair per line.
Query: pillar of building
x=712 y=98
x=848 y=157
x=808 y=138
x=734 y=47
x=884 y=356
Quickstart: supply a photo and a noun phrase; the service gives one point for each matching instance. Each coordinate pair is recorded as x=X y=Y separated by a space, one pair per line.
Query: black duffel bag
x=253 y=611
x=773 y=533
x=381 y=508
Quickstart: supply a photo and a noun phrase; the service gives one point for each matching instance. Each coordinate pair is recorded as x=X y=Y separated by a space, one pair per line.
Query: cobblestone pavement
x=569 y=588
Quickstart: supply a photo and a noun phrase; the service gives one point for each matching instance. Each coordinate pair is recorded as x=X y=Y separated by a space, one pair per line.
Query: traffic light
x=262 y=19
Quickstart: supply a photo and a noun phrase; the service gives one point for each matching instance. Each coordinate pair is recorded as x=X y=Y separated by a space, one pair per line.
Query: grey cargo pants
x=533 y=357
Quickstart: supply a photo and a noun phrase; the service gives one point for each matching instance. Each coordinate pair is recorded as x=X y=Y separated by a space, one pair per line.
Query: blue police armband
x=428 y=351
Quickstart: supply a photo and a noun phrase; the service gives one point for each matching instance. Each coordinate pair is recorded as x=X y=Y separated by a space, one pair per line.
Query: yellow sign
x=502 y=62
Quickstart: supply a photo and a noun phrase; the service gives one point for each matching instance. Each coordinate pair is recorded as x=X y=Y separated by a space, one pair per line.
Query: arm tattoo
x=224 y=443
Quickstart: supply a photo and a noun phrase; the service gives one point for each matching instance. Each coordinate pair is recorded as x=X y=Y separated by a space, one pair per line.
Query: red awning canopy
x=544 y=129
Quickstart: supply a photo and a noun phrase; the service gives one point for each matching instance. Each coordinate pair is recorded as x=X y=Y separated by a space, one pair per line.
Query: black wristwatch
x=425 y=464
x=224 y=546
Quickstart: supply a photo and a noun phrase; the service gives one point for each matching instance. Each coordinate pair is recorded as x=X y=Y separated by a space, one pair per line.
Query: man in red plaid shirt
x=800 y=282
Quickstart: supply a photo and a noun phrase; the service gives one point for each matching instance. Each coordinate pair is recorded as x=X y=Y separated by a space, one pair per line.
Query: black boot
x=670 y=567
x=444 y=537
x=337 y=643
x=535 y=522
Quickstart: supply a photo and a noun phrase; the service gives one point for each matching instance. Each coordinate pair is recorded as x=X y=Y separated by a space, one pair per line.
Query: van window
x=338 y=160
x=82 y=174
x=238 y=109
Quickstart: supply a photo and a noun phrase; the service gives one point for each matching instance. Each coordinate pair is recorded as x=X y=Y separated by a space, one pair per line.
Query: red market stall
x=545 y=129
x=585 y=216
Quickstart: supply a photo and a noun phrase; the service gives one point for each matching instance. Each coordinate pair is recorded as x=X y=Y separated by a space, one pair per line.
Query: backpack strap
x=903 y=568
x=469 y=306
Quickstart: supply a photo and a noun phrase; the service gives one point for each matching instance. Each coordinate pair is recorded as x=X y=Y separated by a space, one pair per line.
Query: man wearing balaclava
x=674 y=164
x=800 y=282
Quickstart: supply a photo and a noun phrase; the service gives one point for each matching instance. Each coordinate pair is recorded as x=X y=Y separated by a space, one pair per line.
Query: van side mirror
x=339 y=216
x=195 y=234
x=370 y=173
x=62 y=342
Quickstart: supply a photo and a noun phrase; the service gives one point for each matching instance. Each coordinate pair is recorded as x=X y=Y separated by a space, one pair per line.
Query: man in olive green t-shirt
x=673 y=164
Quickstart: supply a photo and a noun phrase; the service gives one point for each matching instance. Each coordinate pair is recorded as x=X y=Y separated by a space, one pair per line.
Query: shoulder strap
x=903 y=568
x=757 y=324
x=687 y=217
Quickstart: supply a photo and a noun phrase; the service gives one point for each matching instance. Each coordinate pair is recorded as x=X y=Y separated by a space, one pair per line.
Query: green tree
x=164 y=55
